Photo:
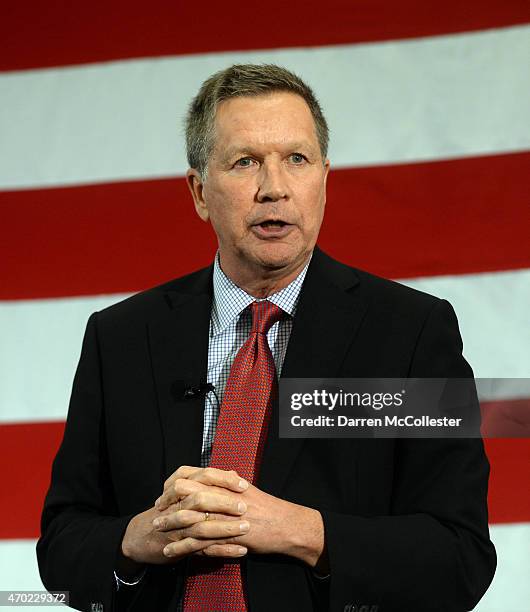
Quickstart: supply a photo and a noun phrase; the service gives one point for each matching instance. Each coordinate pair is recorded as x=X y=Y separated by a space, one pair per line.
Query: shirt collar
x=229 y=300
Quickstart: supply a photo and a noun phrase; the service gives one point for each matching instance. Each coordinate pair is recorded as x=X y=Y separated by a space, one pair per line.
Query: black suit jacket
x=405 y=520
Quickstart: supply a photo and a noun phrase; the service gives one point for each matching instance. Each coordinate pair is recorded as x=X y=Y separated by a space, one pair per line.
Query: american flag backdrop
x=429 y=110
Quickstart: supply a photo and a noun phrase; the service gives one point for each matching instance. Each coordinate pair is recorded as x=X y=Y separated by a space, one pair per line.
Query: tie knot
x=264 y=316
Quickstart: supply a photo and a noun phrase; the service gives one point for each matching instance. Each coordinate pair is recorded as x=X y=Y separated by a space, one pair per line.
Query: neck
x=262 y=282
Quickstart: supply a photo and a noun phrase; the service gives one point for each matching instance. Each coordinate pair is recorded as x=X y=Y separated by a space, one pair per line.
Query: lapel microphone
x=183 y=390
x=198 y=391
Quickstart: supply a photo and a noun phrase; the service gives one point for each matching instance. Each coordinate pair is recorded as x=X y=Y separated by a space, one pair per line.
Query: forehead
x=274 y=117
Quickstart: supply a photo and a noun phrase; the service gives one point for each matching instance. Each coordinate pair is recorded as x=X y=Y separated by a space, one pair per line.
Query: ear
x=326 y=172
x=196 y=187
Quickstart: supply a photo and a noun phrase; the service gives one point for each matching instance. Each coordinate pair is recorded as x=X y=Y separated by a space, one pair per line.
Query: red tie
x=215 y=585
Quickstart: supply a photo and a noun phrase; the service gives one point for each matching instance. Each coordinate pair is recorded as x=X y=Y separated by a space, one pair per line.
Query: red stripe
x=25 y=464
x=509 y=493
x=506 y=419
x=28 y=451
x=54 y=33
x=424 y=219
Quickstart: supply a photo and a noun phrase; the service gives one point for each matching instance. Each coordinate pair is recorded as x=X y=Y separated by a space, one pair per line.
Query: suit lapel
x=327 y=316
x=179 y=352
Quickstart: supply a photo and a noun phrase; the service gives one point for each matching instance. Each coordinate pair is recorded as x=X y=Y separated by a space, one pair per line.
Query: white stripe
x=492 y=310
x=41 y=339
x=509 y=591
x=41 y=343
x=430 y=98
x=490 y=389
x=19 y=567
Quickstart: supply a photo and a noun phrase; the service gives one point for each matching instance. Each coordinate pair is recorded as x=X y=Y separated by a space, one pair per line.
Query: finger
x=213 y=530
x=183 y=472
x=207 y=501
x=178 y=520
x=220 y=478
x=184 y=518
x=170 y=509
x=223 y=550
x=181 y=487
x=188 y=546
x=178 y=490
x=226 y=479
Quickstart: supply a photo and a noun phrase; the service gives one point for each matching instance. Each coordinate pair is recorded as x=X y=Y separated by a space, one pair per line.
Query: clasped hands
x=241 y=518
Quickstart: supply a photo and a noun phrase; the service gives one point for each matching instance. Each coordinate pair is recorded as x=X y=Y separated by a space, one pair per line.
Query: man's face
x=265 y=190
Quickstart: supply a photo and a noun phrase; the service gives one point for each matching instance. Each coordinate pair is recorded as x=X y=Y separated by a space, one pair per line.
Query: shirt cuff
x=133 y=582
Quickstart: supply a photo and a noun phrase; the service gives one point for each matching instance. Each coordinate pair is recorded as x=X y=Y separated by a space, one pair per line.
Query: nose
x=273 y=185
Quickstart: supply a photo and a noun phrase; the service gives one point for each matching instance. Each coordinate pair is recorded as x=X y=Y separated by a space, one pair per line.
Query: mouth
x=272 y=228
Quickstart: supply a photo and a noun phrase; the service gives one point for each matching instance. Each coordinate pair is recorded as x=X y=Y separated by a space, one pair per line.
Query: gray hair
x=242 y=80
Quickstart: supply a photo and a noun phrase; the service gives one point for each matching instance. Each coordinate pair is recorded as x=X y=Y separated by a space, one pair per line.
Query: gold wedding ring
x=206 y=516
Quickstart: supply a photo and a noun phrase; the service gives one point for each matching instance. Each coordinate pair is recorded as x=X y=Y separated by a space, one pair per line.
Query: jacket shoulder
x=379 y=291
x=387 y=291
x=152 y=302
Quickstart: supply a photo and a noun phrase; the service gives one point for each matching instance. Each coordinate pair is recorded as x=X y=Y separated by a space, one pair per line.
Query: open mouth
x=272 y=228
x=271 y=223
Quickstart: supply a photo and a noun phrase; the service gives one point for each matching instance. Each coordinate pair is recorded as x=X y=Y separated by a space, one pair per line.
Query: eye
x=244 y=162
x=297 y=158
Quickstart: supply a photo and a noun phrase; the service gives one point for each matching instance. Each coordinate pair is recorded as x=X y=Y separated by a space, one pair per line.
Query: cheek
x=229 y=217
x=313 y=211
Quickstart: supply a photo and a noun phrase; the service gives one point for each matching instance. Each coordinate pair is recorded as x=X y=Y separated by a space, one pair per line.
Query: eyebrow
x=236 y=151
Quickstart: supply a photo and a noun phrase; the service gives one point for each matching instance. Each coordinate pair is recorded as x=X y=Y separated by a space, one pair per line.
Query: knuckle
x=198 y=530
x=185 y=516
x=174 y=536
x=190 y=545
x=182 y=471
x=199 y=544
x=184 y=534
x=179 y=484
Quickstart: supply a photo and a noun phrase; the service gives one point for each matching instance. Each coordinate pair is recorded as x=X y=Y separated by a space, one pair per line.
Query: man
x=183 y=376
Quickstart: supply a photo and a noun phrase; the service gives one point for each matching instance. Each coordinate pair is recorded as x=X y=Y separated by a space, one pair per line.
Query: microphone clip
x=198 y=390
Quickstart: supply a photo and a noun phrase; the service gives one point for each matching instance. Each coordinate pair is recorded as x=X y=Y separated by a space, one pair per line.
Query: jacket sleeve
x=432 y=552
x=81 y=531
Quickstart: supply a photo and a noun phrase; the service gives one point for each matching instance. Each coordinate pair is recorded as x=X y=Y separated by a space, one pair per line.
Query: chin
x=275 y=257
